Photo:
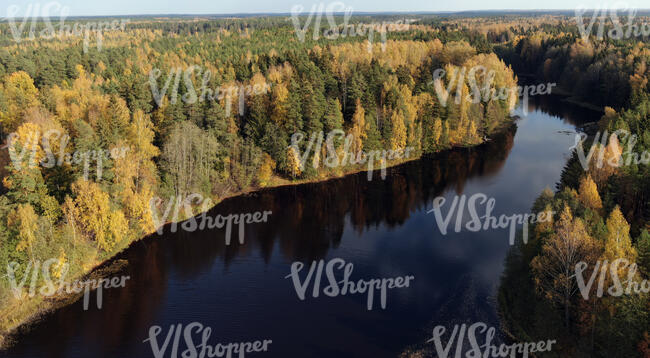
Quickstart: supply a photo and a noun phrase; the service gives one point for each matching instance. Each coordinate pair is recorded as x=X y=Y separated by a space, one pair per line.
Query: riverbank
x=20 y=314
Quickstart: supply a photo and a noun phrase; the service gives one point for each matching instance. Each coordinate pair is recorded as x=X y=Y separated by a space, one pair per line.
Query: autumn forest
x=94 y=129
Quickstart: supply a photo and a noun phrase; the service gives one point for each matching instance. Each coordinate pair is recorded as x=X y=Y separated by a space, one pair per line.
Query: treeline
x=603 y=72
x=60 y=106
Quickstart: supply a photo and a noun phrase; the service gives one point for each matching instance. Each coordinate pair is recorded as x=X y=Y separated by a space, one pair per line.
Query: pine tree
x=294 y=108
x=431 y=124
x=643 y=248
x=333 y=116
x=358 y=129
x=373 y=136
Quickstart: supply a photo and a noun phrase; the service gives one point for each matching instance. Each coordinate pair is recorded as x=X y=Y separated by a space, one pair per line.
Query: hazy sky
x=130 y=7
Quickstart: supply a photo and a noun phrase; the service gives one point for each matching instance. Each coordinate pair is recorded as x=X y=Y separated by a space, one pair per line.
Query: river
x=382 y=227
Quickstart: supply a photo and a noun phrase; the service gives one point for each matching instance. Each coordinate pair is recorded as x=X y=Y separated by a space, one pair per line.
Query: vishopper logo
x=204 y=349
x=610 y=16
x=601 y=270
x=335 y=158
x=34 y=12
x=25 y=152
x=205 y=92
x=482 y=88
x=187 y=203
x=345 y=29
x=485 y=350
x=344 y=286
x=609 y=152
x=55 y=267
x=484 y=222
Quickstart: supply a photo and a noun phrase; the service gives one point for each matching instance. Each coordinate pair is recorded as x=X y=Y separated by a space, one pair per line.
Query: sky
x=18 y=8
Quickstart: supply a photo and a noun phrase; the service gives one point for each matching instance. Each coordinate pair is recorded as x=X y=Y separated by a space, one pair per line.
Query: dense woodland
x=215 y=145
x=383 y=98
x=601 y=213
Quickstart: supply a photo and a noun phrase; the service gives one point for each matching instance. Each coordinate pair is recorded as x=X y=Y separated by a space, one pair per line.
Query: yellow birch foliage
x=136 y=172
x=21 y=95
x=95 y=216
x=25 y=221
x=398 y=137
x=293 y=162
x=25 y=150
x=618 y=244
x=266 y=170
x=588 y=193
x=279 y=111
x=554 y=268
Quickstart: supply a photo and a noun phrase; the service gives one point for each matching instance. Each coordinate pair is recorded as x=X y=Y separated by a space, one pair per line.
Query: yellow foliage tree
x=473 y=136
x=547 y=225
x=293 y=162
x=21 y=95
x=279 y=98
x=618 y=244
x=588 y=193
x=554 y=268
x=25 y=220
x=605 y=160
x=266 y=170
x=136 y=172
x=118 y=229
x=95 y=216
x=25 y=148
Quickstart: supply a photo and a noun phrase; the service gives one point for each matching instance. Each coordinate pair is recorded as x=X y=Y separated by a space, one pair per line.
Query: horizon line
x=357 y=13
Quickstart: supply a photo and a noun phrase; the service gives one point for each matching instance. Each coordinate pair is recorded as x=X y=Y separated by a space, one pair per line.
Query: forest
x=62 y=103
x=602 y=211
x=132 y=100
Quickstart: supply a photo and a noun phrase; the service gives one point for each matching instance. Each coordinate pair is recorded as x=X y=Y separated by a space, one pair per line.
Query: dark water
x=381 y=226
